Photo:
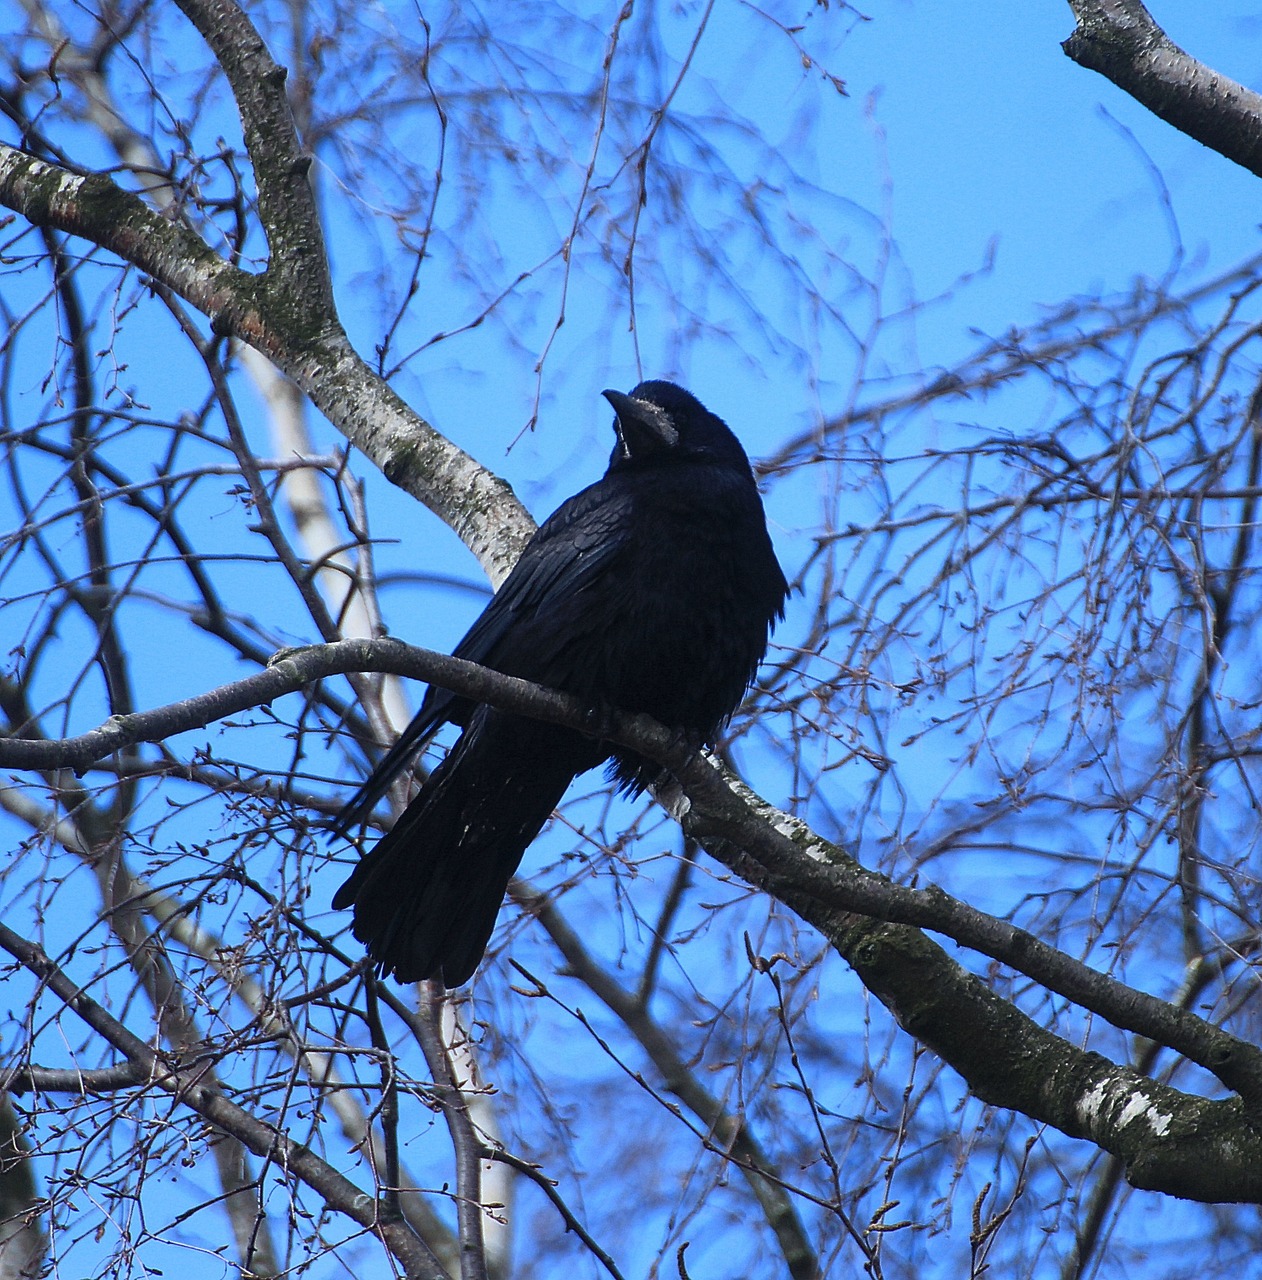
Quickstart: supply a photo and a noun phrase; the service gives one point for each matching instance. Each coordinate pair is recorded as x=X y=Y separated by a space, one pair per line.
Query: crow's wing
x=539 y=611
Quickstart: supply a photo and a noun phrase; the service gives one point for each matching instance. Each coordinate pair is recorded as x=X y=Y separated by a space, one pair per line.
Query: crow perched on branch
x=653 y=590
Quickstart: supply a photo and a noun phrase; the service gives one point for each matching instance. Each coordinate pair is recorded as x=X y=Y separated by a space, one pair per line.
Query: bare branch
x=263 y=1139
x=288 y=673
x=23 y=1241
x=298 y=266
x=1120 y=40
x=798 y=862
x=313 y=350
x=731 y=1133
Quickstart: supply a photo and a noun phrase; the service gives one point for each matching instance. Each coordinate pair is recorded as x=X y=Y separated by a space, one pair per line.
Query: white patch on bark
x=1106 y=1095
x=794 y=829
x=670 y=795
x=68 y=186
x=1140 y=1107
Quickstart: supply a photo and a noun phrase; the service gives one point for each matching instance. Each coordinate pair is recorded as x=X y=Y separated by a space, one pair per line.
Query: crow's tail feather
x=427 y=895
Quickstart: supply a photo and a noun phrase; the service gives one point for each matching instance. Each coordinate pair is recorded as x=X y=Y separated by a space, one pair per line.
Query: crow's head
x=661 y=423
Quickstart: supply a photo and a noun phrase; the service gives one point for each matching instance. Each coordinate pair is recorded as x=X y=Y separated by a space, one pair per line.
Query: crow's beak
x=642 y=428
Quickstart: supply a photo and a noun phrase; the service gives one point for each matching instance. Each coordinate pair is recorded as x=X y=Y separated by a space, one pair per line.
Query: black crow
x=653 y=590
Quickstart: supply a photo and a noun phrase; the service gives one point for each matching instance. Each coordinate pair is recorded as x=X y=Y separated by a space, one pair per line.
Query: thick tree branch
x=23 y=1079
x=722 y=809
x=297 y=262
x=93 y=207
x=290 y=671
x=1119 y=39
x=1168 y=1141
x=860 y=912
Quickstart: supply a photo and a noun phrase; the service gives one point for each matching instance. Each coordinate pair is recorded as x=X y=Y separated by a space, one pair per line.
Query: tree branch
x=308 y=345
x=186 y=1084
x=718 y=808
x=1168 y=1140
x=1120 y=40
x=860 y=912
x=297 y=263
x=466 y=1144
x=290 y=671
x=93 y=207
x=22 y=1079
x=730 y=1131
